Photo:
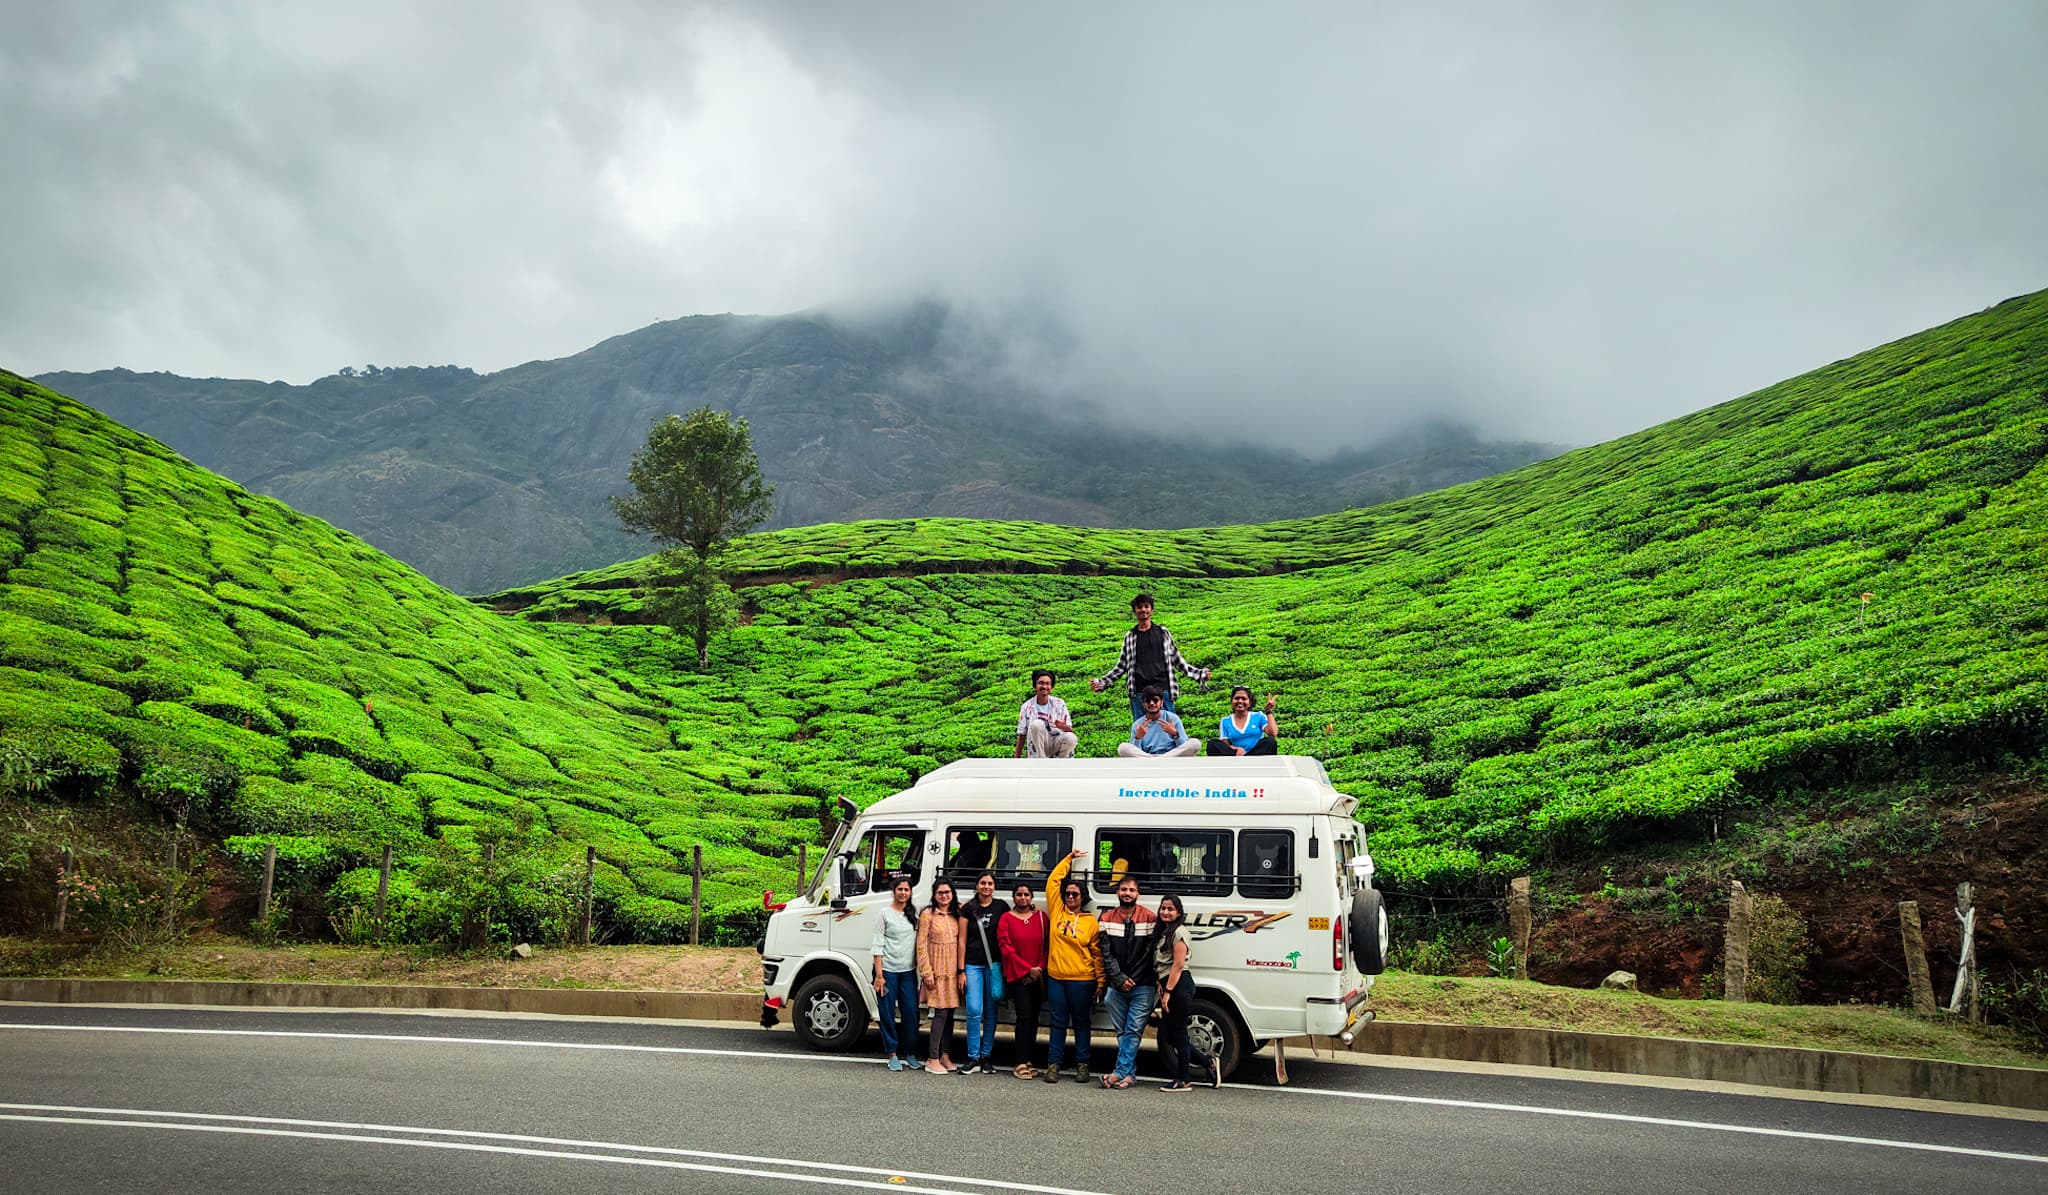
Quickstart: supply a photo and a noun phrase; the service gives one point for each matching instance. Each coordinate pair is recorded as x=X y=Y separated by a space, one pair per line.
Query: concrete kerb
x=595 y=1002
x=1785 y=1067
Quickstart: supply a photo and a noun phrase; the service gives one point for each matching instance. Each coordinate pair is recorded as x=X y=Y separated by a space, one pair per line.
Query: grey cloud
x=1303 y=223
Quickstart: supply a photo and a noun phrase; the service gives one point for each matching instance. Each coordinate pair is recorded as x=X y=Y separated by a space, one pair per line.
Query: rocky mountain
x=489 y=481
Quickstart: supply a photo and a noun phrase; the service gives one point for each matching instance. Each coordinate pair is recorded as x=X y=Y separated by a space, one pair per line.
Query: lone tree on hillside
x=696 y=485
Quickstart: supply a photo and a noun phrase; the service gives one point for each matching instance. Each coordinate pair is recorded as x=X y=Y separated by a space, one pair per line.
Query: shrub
x=1778 y=951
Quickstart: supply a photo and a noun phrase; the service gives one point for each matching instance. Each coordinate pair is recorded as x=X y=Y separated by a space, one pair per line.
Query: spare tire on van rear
x=1367 y=928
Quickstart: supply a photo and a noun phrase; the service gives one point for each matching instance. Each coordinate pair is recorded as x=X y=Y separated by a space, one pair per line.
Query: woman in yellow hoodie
x=1073 y=967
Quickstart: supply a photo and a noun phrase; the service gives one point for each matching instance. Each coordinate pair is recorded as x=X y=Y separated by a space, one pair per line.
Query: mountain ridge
x=486 y=481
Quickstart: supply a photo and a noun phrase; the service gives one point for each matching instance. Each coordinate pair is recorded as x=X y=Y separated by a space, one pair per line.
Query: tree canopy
x=696 y=485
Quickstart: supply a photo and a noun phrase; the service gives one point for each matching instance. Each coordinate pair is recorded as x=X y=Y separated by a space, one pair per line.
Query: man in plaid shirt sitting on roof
x=1150 y=657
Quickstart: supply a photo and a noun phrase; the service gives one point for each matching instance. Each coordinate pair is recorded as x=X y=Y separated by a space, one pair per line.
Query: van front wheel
x=828 y=1013
x=1213 y=1030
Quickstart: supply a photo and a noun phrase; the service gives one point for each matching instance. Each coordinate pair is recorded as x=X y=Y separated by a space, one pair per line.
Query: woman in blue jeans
x=895 y=950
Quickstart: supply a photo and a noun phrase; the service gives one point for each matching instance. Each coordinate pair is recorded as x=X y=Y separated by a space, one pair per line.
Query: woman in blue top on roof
x=1243 y=732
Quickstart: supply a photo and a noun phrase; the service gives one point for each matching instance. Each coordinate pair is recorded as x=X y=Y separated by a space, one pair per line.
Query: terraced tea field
x=1835 y=578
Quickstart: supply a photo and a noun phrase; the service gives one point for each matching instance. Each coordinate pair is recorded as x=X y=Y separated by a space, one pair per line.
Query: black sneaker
x=973 y=1067
x=1081 y=1074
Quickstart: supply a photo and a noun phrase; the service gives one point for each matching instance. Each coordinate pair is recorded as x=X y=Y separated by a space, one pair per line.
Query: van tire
x=1367 y=930
x=1213 y=1029
x=828 y=1013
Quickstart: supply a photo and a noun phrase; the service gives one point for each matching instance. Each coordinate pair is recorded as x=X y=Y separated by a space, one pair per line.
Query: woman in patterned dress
x=941 y=972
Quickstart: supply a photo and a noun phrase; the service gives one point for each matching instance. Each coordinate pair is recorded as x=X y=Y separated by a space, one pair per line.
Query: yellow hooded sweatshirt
x=1076 y=951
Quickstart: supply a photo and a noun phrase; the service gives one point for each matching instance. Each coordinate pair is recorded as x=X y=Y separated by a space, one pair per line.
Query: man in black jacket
x=1133 y=976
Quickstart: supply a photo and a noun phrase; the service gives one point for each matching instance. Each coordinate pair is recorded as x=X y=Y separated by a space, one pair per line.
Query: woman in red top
x=1021 y=937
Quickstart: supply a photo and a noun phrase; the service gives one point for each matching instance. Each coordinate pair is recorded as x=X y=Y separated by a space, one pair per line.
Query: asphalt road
x=169 y=1100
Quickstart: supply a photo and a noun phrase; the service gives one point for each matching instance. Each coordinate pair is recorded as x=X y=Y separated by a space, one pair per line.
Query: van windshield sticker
x=1233 y=794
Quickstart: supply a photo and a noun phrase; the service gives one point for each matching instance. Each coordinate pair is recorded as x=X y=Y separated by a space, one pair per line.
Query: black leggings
x=1175 y=1048
x=1263 y=747
x=942 y=1033
x=1029 y=999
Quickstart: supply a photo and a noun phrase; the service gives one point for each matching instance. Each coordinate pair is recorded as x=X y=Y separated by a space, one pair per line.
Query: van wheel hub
x=827 y=1014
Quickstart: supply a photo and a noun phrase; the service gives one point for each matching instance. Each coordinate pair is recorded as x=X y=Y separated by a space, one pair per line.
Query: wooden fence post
x=269 y=876
x=1735 y=980
x=171 y=886
x=383 y=885
x=1966 y=966
x=63 y=889
x=589 y=891
x=1917 y=980
x=1519 y=923
x=696 y=889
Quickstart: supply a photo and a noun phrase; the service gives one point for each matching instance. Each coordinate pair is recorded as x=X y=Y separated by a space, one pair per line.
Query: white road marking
x=1662 y=1122
x=1430 y=1101
x=799 y=1170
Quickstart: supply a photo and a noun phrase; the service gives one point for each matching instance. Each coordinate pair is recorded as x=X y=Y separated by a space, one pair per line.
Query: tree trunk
x=702 y=592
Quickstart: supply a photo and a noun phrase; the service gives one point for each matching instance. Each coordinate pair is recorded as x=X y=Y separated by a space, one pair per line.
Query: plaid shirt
x=1127 y=658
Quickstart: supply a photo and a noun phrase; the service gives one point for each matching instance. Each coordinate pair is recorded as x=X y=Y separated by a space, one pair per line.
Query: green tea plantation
x=1836 y=580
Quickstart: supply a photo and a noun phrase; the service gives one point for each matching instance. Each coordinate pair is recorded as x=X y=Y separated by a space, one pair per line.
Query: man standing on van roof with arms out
x=1133 y=977
x=1073 y=967
x=1149 y=657
x=1043 y=724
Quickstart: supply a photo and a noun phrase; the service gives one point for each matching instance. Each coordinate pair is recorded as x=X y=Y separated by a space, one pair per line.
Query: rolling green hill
x=1835 y=579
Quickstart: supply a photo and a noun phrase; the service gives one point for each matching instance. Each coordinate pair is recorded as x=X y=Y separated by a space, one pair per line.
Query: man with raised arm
x=1150 y=659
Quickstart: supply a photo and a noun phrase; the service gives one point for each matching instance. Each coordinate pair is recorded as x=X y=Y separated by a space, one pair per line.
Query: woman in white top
x=895 y=950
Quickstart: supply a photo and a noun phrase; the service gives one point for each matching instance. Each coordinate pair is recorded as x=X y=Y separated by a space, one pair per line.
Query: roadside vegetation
x=1834 y=580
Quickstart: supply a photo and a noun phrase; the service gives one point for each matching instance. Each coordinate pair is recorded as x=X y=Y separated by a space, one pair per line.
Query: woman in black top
x=1177 y=997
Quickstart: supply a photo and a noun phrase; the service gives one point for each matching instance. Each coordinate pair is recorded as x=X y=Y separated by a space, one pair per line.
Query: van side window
x=1265 y=863
x=882 y=853
x=1014 y=853
x=1185 y=862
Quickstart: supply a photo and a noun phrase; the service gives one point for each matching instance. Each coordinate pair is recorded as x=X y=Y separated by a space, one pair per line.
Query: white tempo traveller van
x=1286 y=928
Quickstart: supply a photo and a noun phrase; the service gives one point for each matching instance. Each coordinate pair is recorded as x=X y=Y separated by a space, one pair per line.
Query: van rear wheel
x=1213 y=1029
x=828 y=1013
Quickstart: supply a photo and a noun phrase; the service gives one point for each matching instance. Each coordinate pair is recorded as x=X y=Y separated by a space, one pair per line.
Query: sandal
x=1122 y=1083
x=1024 y=1070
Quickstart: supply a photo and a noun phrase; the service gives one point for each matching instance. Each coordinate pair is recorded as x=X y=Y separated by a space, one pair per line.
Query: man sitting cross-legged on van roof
x=1043 y=724
x=1133 y=977
x=1158 y=733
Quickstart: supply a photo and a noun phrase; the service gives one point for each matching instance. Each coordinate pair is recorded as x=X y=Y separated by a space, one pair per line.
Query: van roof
x=1206 y=787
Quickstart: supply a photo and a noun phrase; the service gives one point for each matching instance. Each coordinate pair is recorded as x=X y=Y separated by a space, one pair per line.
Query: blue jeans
x=1129 y=1011
x=1072 y=1002
x=1138 y=706
x=899 y=1013
x=981 y=1014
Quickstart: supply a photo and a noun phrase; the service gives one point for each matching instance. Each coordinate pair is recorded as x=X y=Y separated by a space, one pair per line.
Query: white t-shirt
x=1054 y=710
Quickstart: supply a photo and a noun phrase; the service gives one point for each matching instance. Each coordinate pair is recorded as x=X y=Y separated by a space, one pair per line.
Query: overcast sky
x=1305 y=222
